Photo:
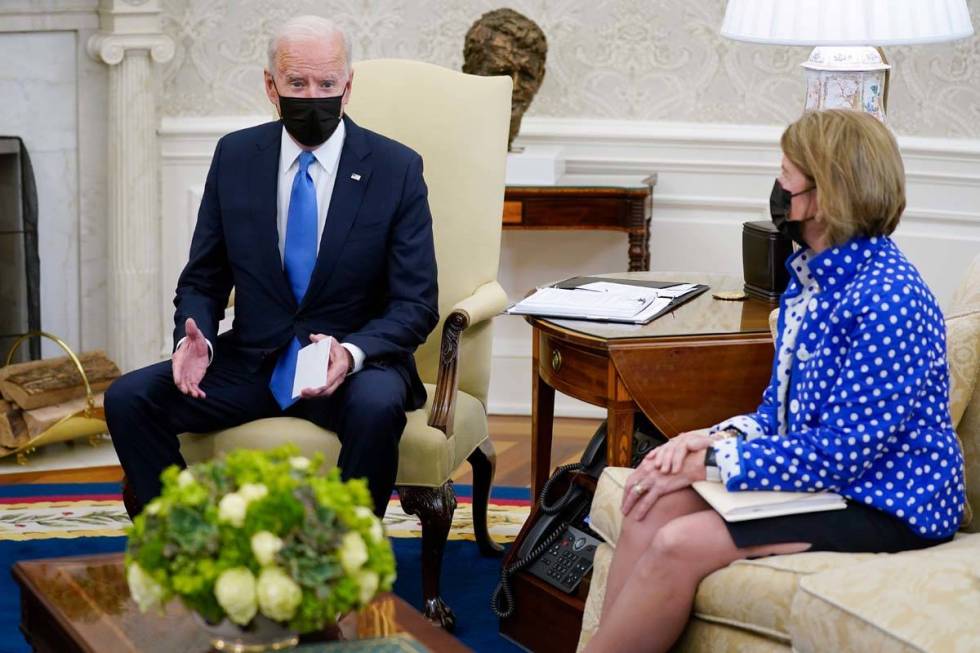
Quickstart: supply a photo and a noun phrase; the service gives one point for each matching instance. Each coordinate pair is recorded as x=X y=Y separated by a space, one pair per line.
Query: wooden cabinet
x=608 y=208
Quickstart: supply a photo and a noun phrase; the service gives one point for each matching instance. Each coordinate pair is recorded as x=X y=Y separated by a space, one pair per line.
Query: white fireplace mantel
x=56 y=101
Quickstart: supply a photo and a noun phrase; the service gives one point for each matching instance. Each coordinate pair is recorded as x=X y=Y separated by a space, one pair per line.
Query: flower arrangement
x=259 y=533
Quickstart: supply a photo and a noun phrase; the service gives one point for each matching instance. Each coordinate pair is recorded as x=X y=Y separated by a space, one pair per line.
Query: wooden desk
x=619 y=208
x=82 y=604
x=700 y=364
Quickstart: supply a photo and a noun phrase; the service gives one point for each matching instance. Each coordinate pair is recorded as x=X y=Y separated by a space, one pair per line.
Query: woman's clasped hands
x=668 y=468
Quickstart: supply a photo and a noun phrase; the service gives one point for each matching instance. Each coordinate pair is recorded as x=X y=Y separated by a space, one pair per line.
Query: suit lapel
x=353 y=173
x=263 y=190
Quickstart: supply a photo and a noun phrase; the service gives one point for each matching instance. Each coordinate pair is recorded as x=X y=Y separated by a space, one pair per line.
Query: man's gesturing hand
x=190 y=361
x=341 y=362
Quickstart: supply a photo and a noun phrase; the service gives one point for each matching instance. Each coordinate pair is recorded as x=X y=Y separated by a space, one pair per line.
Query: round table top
x=703 y=315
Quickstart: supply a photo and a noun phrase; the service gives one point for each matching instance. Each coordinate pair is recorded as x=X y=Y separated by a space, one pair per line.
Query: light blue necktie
x=299 y=257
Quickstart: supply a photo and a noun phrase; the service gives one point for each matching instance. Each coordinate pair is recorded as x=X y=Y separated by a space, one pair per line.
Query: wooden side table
x=702 y=363
x=609 y=208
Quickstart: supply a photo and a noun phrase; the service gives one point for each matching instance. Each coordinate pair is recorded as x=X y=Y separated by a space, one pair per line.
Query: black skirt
x=855 y=529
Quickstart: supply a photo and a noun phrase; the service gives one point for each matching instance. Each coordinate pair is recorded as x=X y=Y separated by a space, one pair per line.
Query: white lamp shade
x=846 y=22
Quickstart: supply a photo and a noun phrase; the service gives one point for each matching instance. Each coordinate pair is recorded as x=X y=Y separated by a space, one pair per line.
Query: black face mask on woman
x=780 y=201
x=310 y=120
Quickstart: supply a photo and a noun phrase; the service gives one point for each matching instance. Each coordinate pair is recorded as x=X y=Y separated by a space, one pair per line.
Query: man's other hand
x=190 y=361
x=341 y=362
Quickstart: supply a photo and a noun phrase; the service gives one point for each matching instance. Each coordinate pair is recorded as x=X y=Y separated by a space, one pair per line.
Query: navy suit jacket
x=374 y=283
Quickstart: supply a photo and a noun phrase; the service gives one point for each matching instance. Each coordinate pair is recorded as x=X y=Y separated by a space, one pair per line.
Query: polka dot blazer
x=858 y=401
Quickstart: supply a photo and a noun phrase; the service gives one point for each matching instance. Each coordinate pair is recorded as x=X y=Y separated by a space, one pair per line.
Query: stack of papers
x=601 y=300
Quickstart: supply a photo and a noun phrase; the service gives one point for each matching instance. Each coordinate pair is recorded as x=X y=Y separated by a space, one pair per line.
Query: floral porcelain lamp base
x=260 y=636
x=847 y=78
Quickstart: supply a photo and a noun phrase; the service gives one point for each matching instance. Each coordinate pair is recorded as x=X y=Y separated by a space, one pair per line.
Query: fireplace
x=20 y=275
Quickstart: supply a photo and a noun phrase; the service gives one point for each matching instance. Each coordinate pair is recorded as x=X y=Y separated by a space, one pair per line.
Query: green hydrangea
x=309 y=535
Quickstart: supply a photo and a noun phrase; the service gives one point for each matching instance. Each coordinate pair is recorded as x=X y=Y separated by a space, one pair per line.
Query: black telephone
x=560 y=547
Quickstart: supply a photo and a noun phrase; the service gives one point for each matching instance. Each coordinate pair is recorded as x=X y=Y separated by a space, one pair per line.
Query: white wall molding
x=48 y=16
x=712 y=177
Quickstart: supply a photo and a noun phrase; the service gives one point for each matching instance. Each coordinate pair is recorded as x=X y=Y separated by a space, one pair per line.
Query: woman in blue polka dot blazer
x=858 y=401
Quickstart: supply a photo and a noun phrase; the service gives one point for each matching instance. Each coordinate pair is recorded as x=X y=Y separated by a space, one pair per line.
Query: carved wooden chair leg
x=483 y=461
x=434 y=507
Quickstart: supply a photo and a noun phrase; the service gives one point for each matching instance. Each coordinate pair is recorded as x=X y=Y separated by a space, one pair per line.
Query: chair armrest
x=487 y=301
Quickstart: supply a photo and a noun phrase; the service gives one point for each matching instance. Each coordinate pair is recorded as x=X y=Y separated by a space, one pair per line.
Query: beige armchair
x=459 y=124
x=909 y=602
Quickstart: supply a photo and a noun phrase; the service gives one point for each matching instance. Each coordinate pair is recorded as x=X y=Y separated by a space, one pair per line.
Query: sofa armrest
x=913 y=601
x=487 y=301
x=606 y=518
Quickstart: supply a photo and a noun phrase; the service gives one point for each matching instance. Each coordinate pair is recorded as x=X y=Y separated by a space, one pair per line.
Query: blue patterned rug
x=48 y=521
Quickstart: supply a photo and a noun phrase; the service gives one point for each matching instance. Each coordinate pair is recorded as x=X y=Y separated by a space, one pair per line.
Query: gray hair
x=316 y=27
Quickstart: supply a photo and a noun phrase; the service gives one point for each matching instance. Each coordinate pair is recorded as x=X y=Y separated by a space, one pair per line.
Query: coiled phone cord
x=503 y=591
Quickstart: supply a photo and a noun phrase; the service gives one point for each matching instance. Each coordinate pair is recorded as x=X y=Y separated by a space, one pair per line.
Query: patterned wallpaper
x=614 y=59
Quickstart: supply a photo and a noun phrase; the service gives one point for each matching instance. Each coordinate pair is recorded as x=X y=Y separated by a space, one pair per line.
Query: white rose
x=185 y=478
x=353 y=553
x=235 y=591
x=368 y=583
x=253 y=491
x=376 y=532
x=265 y=546
x=231 y=509
x=146 y=592
x=302 y=463
x=278 y=594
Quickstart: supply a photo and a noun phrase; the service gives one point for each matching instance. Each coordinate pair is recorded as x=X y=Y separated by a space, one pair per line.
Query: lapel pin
x=355 y=176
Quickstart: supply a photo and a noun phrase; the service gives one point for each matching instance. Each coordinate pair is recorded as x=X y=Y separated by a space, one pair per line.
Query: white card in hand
x=311 y=366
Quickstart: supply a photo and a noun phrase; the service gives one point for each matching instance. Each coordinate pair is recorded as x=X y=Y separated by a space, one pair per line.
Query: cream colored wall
x=614 y=59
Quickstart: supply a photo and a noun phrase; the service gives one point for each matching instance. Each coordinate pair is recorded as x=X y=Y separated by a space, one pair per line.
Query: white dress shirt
x=324 y=173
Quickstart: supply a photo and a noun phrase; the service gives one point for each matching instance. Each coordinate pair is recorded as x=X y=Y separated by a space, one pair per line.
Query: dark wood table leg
x=639 y=235
x=619 y=445
x=542 y=425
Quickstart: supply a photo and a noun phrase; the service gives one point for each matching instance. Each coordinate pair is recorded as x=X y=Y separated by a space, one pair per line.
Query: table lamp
x=848 y=69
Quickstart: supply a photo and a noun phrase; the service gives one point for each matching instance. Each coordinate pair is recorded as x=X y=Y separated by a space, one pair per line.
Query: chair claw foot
x=440 y=614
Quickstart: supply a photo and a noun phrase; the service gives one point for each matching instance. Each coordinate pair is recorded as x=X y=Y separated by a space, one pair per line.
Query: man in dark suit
x=323 y=229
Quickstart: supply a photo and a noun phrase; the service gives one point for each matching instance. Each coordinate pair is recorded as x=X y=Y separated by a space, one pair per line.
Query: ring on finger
x=639 y=488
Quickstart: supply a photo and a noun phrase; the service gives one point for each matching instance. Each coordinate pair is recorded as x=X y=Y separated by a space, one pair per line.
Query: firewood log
x=13 y=429
x=36 y=384
x=40 y=420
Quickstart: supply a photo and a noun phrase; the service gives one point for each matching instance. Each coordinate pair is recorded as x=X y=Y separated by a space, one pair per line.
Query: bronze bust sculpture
x=504 y=42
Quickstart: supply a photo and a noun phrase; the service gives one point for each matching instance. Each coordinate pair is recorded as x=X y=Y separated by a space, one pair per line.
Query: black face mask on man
x=310 y=120
x=780 y=201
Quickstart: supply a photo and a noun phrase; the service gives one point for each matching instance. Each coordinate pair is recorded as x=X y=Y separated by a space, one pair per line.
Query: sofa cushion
x=932 y=603
x=754 y=595
x=597 y=594
x=425 y=457
x=963 y=352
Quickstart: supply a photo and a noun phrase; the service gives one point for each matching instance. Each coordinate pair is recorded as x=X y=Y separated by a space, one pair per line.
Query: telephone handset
x=560 y=547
